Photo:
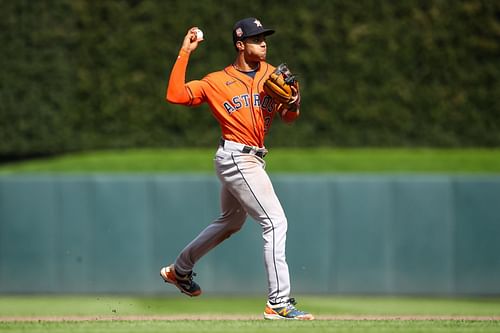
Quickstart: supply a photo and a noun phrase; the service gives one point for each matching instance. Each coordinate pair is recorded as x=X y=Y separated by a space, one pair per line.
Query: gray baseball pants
x=246 y=190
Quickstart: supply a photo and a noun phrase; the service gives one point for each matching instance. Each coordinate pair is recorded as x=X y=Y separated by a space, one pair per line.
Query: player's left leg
x=251 y=184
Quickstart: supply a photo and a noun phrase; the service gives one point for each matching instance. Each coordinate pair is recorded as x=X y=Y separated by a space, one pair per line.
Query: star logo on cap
x=257 y=23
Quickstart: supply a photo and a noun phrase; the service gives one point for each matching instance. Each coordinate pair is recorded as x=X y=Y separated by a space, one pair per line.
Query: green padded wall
x=348 y=234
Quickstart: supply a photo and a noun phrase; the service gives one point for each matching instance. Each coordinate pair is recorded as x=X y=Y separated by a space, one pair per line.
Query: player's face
x=256 y=48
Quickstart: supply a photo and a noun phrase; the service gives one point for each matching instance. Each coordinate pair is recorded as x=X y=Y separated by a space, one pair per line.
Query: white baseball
x=199 y=34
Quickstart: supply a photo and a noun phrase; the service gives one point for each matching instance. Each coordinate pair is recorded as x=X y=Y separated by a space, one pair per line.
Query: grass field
x=243 y=314
x=321 y=160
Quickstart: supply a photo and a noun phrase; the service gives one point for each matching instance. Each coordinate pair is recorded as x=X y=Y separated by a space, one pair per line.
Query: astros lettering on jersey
x=238 y=102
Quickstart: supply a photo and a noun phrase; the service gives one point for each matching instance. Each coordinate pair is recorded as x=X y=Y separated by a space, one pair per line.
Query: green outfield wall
x=348 y=234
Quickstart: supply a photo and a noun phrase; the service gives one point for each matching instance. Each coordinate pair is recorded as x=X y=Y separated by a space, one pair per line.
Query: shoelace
x=291 y=304
x=187 y=278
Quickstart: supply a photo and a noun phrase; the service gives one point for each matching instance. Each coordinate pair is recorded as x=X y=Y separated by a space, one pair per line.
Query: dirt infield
x=240 y=317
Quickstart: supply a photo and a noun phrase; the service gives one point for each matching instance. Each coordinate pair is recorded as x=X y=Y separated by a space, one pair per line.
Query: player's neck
x=244 y=66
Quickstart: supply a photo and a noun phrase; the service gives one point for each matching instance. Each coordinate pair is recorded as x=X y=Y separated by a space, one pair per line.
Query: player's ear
x=240 y=46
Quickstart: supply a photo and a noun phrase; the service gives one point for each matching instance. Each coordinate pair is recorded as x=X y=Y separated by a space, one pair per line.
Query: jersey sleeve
x=180 y=92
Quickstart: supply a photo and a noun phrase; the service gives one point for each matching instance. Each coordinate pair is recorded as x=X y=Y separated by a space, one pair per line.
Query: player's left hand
x=282 y=86
x=294 y=104
x=295 y=94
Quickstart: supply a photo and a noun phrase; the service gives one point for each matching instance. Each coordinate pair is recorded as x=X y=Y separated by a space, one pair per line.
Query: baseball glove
x=279 y=85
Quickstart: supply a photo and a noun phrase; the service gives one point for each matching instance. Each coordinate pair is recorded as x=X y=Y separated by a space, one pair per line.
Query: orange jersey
x=238 y=102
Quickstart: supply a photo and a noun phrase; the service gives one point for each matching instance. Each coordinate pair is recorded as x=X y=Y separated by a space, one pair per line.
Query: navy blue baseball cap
x=249 y=27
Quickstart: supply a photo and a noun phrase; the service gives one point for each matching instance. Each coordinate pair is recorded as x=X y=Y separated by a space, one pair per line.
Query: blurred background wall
x=388 y=235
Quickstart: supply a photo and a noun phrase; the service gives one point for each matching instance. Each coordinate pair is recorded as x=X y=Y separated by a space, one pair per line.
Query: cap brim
x=268 y=32
x=265 y=32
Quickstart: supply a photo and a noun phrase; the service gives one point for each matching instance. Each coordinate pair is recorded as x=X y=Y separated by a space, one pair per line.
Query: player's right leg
x=231 y=220
x=184 y=283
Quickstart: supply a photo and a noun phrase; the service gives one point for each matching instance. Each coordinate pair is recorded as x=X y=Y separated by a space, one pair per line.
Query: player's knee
x=235 y=228
x=232 y=229
x=232 y=223
x=276 y=224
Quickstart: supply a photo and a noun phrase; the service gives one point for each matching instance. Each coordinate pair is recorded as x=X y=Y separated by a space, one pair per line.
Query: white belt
x=241 y=148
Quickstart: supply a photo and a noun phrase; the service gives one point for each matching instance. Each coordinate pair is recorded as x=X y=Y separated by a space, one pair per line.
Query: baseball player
x=245 y=112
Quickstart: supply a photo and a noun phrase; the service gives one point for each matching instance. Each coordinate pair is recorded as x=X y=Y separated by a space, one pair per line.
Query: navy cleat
x=184 y=283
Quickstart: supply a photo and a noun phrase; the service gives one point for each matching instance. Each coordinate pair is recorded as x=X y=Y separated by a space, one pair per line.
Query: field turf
x=228 y=326
x=303 y=160
x=243 y=314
